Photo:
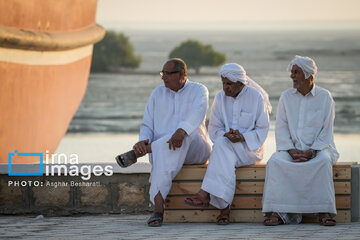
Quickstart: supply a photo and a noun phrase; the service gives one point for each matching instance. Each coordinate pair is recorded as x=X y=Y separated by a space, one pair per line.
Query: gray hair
x=179 y=65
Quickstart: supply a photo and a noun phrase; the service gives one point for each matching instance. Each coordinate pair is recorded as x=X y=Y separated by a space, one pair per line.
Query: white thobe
x=247 y=114
x=302 y=122
x=165 y=112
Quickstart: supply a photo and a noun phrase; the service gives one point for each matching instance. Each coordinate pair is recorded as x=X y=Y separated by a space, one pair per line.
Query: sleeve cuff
x=142 y=138
x=285 y=148
x=186 y=127
x=250 y=140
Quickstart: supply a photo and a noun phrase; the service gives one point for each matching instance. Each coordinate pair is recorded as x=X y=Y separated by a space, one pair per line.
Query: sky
x=228 y=14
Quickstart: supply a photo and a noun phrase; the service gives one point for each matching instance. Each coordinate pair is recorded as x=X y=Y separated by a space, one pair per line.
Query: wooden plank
x=342 y=173
x=243 y=202
x=191 y=174
x=186 y=188
x=235 y=216
x=342 y=187
x=238 y=202
x=197 y=172
x=250 y=173
x=243 y=173
x=246 y=216
x=177 y=202
x=246 y=202
x=343 y=202
x=249 y=187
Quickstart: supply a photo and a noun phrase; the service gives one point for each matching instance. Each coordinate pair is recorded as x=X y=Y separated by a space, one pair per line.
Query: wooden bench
x=246 y=206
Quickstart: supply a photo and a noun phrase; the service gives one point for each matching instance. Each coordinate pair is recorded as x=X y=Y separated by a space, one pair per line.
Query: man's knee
x=278 y=157
x=161 y=143
x=324 y=157
x=221 y=142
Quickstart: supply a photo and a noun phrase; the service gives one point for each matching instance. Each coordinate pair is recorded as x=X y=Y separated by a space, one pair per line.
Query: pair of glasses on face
x=166 y=73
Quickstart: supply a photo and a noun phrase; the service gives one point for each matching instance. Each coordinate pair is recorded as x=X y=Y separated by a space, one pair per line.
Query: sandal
x=326 y=220
x=156 y=217
x=197 y=201
x=224 y=217
x=273 y=220
x=126 y=159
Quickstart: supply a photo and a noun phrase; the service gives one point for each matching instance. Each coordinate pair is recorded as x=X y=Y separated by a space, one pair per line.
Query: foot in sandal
x=224 y=217
x=156 y=219
x=200 y=199
x=326 y=220
x=273 y=220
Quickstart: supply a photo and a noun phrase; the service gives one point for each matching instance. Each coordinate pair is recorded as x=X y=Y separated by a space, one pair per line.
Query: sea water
x=114 y=102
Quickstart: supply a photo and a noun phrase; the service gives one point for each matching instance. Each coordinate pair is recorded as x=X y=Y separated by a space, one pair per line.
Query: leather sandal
x=224 y=217
x=273 y=220
x=156 y=219
x=197 y=201
x=126 y=159
x=326 y=220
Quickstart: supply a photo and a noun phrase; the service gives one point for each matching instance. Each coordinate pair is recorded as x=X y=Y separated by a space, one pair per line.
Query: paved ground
x=134 y=227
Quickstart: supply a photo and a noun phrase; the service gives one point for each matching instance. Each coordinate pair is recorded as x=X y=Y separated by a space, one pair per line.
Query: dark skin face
x=303 y=85
x=231 y=89
x=175 y=81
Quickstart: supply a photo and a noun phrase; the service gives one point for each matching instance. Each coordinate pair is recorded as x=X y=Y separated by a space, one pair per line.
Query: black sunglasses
x=166 y=73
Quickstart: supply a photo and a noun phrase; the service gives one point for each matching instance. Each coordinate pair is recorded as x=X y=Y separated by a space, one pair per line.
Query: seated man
x=238 y=127
x=299 y=176
x=173 y=131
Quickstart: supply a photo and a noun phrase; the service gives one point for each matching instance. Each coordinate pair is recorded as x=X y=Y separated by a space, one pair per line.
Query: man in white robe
x=299 y=176
x=173 y=131
x=238 y=127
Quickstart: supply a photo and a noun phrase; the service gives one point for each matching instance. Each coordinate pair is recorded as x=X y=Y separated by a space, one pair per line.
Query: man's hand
x=234 y=136
x=300 y=156
x=140 y=148
x=177 y=139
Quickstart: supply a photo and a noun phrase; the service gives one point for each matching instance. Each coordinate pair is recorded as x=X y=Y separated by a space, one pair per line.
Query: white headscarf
x=307 y=64
x=236 y=73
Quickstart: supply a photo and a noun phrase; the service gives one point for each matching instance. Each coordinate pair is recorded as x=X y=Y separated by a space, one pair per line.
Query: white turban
x=307 y=64
x=236 y=73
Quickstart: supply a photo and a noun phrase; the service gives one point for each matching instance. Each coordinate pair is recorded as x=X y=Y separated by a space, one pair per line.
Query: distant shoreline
x=129 y=72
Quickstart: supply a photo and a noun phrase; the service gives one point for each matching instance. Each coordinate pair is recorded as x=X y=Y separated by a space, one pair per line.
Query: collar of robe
x=312 y=91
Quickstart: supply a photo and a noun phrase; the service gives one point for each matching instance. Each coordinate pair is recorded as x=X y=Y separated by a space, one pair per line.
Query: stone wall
x=66 y=195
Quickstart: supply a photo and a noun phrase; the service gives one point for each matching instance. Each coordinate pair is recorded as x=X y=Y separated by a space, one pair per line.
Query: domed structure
x=45 y=57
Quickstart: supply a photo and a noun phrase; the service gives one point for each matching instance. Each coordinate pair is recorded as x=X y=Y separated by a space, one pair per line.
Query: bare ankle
x=159 y=203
